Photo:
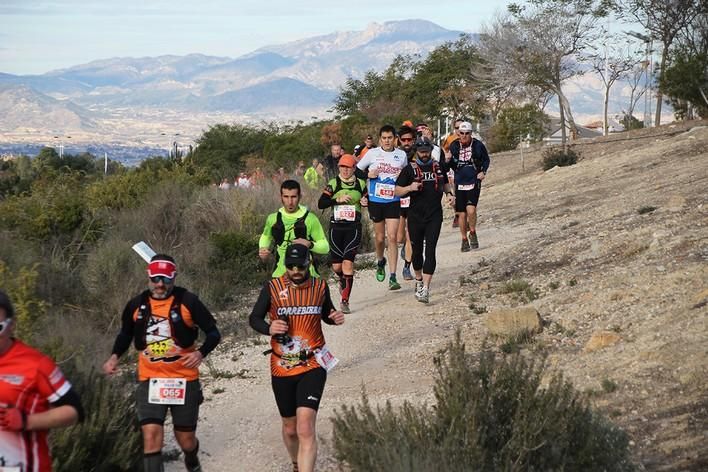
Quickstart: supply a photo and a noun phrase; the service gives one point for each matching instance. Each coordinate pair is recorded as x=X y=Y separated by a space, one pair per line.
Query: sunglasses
x=465 y=133
x=299 y=267
x=162 y=278
x=406 y=140
x=5 y=324
x=457 y=127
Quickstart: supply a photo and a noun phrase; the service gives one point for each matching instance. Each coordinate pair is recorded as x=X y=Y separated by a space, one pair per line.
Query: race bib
x=10 y=469
x=384 y=191
x=325 y=358
x=345 y=212
x=465 y=187
x=405 y=202
x=167 y=391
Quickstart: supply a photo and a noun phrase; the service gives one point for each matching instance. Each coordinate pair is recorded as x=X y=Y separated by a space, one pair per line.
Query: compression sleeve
x=125 y=336
x=72 y=399
x=326 y=199
x=260 y=310
x=327 y=307
x=320 y=245
x=213 y=336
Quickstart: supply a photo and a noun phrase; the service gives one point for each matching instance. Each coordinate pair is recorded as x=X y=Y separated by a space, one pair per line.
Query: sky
x=42 y=35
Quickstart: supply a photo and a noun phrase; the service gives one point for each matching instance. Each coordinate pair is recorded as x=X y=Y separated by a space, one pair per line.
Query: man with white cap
x=469 y=159
x=163 y=323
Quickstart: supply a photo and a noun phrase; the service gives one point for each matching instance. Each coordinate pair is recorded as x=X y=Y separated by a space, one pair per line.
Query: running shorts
x=184 y=417
x=384 y=211
x=344 y=241
x=464 y=198
x=302 y=390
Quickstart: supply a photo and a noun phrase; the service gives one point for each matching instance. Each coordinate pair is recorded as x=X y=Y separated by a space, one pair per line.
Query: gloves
x=12 y=419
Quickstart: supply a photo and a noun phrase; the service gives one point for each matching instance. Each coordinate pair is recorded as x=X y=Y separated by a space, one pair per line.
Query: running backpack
x=419 y=173
x=357 y=186
x=183 y=335
x=278 y=228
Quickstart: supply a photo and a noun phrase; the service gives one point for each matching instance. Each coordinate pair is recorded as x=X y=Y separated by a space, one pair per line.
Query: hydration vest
x=183 y=335
x=278 y=228
x=357 y=186
x=419 y=173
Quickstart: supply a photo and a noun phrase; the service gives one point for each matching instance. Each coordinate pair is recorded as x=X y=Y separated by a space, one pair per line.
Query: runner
x=295 y=303
x=423 y=130
x=292 y=223
x=381 y=166
x=34 y=398
x=424 y=180
x=445 y=145
x=163 y=323
x=345 y=194
x=470 y=161
x=406 y=138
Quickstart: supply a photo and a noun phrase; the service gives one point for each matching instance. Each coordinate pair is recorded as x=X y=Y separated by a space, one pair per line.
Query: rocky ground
x=612 y=254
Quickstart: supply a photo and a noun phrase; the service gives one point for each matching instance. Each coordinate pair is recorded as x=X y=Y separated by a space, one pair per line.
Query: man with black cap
x=424 y=181
x=295 y=303
x=469 y=159
x=34 y=398
x=163 y=323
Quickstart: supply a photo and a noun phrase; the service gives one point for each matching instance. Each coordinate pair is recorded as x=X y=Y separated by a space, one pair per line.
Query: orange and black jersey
x=304 y=307
x=162 y=354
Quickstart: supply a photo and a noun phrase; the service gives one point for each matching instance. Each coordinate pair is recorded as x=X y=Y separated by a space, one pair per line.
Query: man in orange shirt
x=295 y=304
x=34 y=398
x=163 y=323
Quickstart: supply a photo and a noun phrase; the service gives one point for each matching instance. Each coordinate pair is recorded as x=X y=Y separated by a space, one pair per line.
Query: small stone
x=601 y=339
x=513 y=321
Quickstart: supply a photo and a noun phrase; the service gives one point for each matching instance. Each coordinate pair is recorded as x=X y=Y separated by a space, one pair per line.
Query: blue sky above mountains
x=43 y=35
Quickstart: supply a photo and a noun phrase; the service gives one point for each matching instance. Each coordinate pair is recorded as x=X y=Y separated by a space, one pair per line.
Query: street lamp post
x=647 y=73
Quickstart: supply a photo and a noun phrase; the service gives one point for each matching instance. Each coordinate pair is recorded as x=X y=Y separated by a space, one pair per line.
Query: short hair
x=387 y=129
x=405 y=129
x=7 y=305
x=290 y=184
x=163 y=257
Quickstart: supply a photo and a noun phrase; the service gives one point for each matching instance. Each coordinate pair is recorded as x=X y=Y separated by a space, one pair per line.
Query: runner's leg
x=153 y=435
x=306 y=434
x=392 y=249
x=290 y=437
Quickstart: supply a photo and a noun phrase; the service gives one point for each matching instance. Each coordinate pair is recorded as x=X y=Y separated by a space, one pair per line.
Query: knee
x=290 y=430
x=152 y=440
x=305 y=431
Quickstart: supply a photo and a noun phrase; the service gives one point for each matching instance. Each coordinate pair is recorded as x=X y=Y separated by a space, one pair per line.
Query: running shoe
x=381 y=270
x=193 y=466
x=465 y=246
x=456 y=221
x=344 y=306
x=474 y=242
x=418 y=288
x=393 y=283
x=424 y=296
x=407 y=275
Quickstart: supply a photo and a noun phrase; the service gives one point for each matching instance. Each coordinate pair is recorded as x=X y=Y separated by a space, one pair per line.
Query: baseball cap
x=161 y=264
x=347 y=160
x=421 y=126
x=297 y=254
x=423 y=144
x=466 y=126
x=408 y=123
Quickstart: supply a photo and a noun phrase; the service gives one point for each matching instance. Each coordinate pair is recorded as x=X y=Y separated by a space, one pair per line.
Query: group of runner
x=403 y=187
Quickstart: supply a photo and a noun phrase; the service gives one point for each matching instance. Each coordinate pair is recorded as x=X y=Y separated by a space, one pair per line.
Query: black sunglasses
x=162 y=278
x=297 y=266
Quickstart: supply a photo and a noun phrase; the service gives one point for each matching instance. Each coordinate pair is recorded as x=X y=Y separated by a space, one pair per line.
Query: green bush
x=557 y=156
x=109 y=438
x=490 y=414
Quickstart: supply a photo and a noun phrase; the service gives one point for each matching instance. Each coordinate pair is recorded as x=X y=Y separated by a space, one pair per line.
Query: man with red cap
x=163 y=323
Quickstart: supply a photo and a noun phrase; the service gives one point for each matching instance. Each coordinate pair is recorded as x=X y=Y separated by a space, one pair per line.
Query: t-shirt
x=425 y=203
x=468 y=161
x=30 y=381
x=389 y=165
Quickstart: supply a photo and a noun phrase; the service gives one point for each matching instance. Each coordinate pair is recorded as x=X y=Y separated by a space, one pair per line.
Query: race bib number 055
x=384 y=191
x=167 y=391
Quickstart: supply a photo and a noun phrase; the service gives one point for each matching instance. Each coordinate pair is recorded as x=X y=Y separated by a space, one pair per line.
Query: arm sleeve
x=266 y=239
x=326 y=199
x=327 y=307
x=72 y=399
x=320 y=245
x=205 y=320
x=260 y=310
x=125 y=336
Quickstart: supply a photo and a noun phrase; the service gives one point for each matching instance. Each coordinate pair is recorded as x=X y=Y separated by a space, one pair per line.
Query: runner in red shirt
x=34 y=398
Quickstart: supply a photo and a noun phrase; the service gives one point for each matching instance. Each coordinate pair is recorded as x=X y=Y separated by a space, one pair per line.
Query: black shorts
x=384 y=211
x=464 y=198
x=184 y=417
x=344 y=241
x=299 y=390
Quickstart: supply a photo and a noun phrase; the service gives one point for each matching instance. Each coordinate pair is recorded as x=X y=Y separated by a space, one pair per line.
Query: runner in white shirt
x=381 y=166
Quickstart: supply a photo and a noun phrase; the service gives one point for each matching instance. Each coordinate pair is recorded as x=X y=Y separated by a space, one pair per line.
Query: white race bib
x=167 y=391
x=384 y=191
x=345 y=213
x=10 y=469
x=405 y=202
x=465 y=187
x=325 y=358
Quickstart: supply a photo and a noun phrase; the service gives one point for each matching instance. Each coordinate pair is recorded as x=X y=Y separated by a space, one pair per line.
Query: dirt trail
x=617 y=242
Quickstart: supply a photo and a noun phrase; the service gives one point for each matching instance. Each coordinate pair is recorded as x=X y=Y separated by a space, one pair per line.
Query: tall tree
x=664 y=20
